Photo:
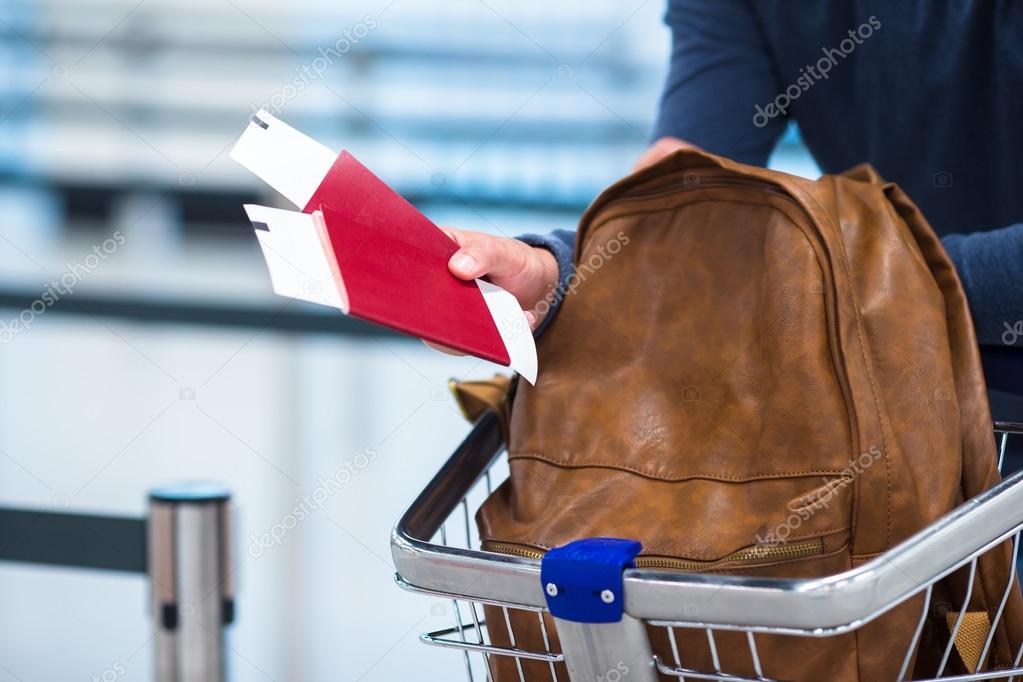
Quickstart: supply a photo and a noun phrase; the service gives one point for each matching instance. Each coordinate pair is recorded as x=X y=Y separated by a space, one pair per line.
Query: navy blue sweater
x=929 y=92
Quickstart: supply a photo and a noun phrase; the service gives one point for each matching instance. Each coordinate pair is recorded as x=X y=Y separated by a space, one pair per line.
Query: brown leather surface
x=476 y=396
x=738 y=344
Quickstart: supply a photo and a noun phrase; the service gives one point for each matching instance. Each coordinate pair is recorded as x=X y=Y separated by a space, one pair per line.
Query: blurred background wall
x=163 y=354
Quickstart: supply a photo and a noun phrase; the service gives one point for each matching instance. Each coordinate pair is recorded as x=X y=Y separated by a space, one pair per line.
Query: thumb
x=482 y=254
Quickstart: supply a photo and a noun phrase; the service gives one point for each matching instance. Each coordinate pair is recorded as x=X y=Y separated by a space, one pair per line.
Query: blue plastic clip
x=583 y=579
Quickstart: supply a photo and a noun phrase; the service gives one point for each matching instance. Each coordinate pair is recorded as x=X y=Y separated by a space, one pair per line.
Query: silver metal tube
x=959 y=621
x=916 y=634
x=606 y=651
x=1010 y=583
x=191 y=590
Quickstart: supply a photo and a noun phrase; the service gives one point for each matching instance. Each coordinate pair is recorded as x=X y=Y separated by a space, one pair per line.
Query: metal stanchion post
x=190 y=580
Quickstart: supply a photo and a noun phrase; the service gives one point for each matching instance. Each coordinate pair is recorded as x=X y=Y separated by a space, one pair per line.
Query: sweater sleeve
x=560 y=243
x=989 y=267
x=721 y=81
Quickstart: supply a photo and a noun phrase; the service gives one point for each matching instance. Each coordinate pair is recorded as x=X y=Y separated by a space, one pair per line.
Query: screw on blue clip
x=583 y=579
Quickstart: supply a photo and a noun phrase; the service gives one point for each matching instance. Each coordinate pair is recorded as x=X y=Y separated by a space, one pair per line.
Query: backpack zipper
x=748 y=556
x=707 y=182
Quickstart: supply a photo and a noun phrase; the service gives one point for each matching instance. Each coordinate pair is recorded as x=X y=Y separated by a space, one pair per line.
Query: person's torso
x=930 y=93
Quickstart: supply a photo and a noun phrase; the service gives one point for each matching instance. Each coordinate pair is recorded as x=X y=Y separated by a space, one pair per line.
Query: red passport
x=359 y=246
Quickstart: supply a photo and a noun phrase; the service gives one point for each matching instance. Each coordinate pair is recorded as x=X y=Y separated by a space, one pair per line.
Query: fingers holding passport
x=528 y=273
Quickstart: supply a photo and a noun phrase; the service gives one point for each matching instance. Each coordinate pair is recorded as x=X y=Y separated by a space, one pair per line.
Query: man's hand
x=528 y=273
x=658 y=150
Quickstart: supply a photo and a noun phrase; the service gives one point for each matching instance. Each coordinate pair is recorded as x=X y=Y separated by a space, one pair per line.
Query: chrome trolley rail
x=426 y=562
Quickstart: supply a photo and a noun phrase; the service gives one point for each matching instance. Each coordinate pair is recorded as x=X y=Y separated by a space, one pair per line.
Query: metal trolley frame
x=426 y=562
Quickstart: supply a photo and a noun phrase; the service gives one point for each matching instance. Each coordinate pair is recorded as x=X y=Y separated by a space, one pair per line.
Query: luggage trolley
x=434 y=546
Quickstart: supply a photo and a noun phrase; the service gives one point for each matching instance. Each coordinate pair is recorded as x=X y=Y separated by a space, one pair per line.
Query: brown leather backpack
x=757 y=374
